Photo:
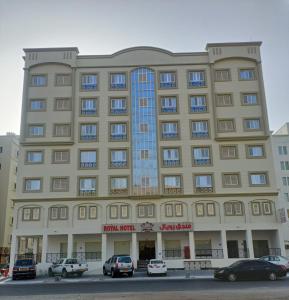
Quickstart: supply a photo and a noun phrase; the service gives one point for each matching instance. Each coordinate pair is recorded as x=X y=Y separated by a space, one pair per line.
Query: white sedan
x=157 y=266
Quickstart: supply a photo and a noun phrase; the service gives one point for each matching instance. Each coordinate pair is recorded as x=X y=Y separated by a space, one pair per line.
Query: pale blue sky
x=104 y=27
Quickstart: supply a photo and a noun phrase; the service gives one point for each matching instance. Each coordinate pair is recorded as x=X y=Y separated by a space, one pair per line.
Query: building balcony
x=118 y=137
x=87 y=112
x=205 y=189
x=88 y=86
x=199 y=109
x=209 y=253
x=89 y=137
x=173 y=190
x=118 y=164
x=117 y=85
x=118 y=111
x=259 y=252
x=171 y=84
x=202 y=161
x=169 y=135
x=168 y=109
x=239 y=253
x=199 y=83
x=87 y=256
x=171 y=163
x=173 y=254
x=199 y=134
x=87 y=193
x=87 y=165
x=119 y=191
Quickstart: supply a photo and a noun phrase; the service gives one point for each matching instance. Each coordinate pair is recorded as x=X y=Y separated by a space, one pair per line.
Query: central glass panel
x=144 y=133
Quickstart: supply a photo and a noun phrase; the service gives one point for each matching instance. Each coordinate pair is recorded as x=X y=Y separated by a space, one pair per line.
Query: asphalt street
x=22 y=288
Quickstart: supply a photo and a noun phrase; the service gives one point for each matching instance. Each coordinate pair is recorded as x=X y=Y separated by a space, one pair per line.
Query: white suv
x=67 y=266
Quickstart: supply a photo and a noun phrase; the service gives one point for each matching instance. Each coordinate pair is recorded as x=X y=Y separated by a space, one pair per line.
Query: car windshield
x=236 y=264
x=24 y=262
x=155 y=261
x=60 y=261
x=72 y=261
x=124 y=259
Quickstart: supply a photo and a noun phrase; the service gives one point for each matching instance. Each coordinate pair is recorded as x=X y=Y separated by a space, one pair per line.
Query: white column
x=192 y=244
x=13 y=252
x=103 y=247
x=159 y=245
x=134 y=248
x=280 y=241
x=224 y=243
x=44 y=248
x=69 y=244
x=249 y=242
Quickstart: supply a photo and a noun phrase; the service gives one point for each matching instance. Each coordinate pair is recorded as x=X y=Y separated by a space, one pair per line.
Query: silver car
x=277 y=260
x=117 y=265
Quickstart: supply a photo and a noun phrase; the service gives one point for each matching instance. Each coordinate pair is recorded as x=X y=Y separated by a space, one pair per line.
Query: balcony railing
x=202 y=161
x=118 y=164
x=207 y=189
x=117 y=85
x=209 y=253
x=87 y=112
x=200 y=134
x=197 y=83
x=173 y=190
x=87 y=164
x=169 y=109
x=118 y=111
x=118 y=137
x=35 y=257
x=54 y=257
x=173 y=253
x=88 y=86
x=241 y=253
x=198 y=109
x=123 y=191
x=171 y=84
x=169 y=135
x=87 y=256
x=89 y=137
x=259 y=252
x=171 y=162
x=87 y=193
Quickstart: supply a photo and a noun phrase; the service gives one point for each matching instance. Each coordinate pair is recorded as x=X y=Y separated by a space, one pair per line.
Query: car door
x=244 y=270
x=106 y=265
x=262 y=269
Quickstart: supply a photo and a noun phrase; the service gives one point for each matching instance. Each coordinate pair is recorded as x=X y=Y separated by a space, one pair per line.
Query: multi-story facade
x=146 y=152
x=9 y=145
x=280 y=144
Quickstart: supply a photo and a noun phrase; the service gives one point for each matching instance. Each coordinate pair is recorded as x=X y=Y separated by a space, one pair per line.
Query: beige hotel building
x=145 y=152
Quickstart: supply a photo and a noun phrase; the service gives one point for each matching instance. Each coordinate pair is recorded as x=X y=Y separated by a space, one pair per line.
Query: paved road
x=139 y=287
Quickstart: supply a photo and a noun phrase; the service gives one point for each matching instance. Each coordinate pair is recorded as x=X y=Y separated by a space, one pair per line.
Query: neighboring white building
x=146 y=152
x=280 y=144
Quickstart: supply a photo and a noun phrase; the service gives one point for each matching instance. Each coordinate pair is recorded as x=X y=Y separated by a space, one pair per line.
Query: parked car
x=66 y=267
x=156 y=266
x=251 y=269
x=4 y=270
x=24 y=268
x=277 y=260
x=117 y=265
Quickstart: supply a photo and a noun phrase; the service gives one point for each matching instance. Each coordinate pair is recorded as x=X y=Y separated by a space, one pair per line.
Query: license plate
x=125 y=270
x=24 y=269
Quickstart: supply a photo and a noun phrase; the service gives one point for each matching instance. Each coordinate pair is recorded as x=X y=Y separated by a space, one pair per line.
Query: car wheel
x=113 y=275
x=232 y=277
x=104 y=272
x=130 y=274
x=50 y=273
x=64 y=273
x=272 y=276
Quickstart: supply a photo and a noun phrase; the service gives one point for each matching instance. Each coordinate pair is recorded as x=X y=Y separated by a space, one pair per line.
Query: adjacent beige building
x=9 y=145
x=146 y=152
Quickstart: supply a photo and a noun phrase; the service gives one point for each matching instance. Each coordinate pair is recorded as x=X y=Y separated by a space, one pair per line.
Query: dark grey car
x=117 y=265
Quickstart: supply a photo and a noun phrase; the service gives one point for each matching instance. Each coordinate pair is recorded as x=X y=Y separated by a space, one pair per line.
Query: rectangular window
x=196 y=79
x=60 y=156
x=203 y=183
x=169 y=130
x=118 y=185
x=34 y=157
x=60 y=184
x=145 y=181
x=143 y=102
x=92 y=212
x=38 y=80
x=285 y=180
x=200 y=129
x=222 y=75
x=88 y=159
x=224 y=100
x=62 y=104
x=179 y=210
x=118 y=158
x=267 y=209
x=117 y=81
x=284 y=165
x=143 y=127
x=32 y=185
x=169 y=210
x=118 y=106
x=247 y=74
x=88 y=132
x=168 y=104
x=63 y=79
x=124 y=211
x=255 y=151
x=286 y=197
x=88 y=107
x=1 y=149
x=256 y=211
x=201 y=156
x=82 y=212
x=36 y=130
x=231 y=180
x=118 y=132
x=26 y=214
x=252 y=124
x=144 y=154
x=210 y=209
x=63 y=213
x=87 y=186
x=257 y=179
x=172 y=182
x=226 y=125
x=168 y=80
x=249 y=99
x=89 y=82
x=228 y=207
x=228 y=152
x=282 y=150
x=198 y=104
x=53 y=213
x=200 y=212
x=171 y=157
x=37 y=105
x=113 y=211
x=141 y=211
x=31 y=214
x=62 y=130
x=146 y=211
